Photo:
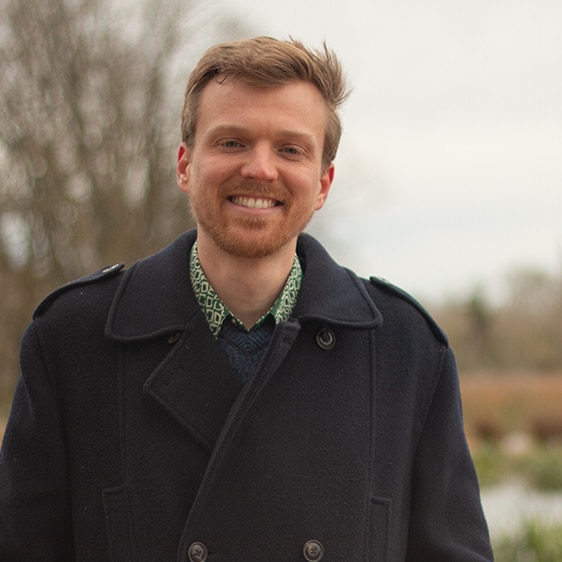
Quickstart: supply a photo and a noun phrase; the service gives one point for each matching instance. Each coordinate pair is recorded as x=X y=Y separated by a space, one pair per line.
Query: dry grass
x=497 y=405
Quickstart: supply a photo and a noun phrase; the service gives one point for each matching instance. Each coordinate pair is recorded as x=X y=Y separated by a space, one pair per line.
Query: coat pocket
x=120 y=536
x=379 y=539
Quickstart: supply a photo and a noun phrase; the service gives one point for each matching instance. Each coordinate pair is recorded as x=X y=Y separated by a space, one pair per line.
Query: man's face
x=254 y=173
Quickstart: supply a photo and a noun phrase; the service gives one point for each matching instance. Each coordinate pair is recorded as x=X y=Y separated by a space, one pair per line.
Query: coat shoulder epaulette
x=388 y=287
x=99 y=275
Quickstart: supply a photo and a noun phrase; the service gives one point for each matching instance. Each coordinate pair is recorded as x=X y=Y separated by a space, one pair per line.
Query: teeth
x=252 y=203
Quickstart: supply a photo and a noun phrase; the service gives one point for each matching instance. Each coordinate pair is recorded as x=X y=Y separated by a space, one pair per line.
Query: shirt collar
x=217 y=312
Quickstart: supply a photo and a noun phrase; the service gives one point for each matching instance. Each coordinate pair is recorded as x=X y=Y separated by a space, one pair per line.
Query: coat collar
x=331 y=293
x=155 y=295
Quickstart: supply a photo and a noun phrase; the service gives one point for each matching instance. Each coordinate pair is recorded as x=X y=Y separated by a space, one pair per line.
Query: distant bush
x=540 y=467
x=536 y=542
x=491 y=464
x=543 y=468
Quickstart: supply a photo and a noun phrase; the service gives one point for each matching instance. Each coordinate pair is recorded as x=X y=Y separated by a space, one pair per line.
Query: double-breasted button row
x=325 y=338
x=197 y=552
x=313 y=551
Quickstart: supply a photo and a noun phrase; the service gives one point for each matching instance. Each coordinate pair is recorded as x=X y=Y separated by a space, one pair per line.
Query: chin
x=253 y=244
x=256 y=238
x=250 y=249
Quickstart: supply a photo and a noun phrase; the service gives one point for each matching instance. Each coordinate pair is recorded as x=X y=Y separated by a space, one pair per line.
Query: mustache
x=257 y=190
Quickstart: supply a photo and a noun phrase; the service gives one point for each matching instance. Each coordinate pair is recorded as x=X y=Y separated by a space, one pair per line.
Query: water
x=509 y=504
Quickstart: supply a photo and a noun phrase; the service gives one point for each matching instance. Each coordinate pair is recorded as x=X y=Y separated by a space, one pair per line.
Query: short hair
x=266 y=62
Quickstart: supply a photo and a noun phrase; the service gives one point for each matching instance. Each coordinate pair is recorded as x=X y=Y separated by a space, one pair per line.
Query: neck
x=247 y=286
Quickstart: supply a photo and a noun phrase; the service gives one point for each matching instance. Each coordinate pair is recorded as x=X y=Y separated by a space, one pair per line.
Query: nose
x=260 y=164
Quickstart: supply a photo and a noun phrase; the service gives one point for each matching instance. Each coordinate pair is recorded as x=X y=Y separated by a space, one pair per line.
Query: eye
x=230 y=143
x=291 y=151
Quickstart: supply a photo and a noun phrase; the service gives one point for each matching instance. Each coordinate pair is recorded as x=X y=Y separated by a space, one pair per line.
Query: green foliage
x=491 y=464
x=540 y=468
x=536 y=542
x=543 y=468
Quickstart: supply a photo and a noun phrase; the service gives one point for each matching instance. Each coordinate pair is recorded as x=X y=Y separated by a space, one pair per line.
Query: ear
x=325 y=183
x=183 y=167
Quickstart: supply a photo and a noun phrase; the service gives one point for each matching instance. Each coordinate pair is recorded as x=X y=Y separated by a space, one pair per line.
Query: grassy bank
x=537 y=541
x=539 y=466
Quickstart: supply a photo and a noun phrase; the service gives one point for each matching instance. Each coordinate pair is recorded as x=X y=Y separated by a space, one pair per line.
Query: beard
x=249 y=237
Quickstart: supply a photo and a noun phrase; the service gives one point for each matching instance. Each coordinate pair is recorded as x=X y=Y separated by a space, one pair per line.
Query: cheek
x=212 y=174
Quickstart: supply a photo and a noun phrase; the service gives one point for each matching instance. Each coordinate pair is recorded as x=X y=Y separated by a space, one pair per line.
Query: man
x=239 y=396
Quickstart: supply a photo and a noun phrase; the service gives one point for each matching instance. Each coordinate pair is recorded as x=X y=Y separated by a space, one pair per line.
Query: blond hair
x=266 y=62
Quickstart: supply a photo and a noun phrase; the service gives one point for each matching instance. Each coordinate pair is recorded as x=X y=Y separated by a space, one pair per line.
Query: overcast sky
x=449 y=174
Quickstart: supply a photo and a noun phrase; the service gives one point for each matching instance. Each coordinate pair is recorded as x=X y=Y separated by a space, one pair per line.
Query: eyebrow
x=238 y=129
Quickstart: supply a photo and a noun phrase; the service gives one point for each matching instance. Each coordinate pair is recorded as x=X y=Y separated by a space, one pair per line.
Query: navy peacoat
x=130 y=440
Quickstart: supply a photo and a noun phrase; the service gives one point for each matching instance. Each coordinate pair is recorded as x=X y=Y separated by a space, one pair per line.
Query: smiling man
x=239 y=395
x=254 y=172
x=255 y=175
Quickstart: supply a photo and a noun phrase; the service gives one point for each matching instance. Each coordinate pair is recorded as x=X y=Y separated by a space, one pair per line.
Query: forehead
x=298 y=105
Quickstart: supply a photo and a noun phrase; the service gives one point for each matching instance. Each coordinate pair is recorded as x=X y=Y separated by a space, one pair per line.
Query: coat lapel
x=330 y=293
x=195 y=383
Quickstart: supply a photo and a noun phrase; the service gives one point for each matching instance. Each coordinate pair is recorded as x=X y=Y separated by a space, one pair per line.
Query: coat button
x=313 y=551
x=325 y=339
x=197 y=552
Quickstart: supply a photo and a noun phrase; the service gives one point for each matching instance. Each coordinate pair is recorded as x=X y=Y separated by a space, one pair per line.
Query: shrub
x=543 y=468
x=490 y=464
x=537 y=541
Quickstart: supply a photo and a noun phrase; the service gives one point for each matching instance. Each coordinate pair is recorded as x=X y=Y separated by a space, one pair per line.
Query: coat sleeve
x=34 y=493
x=447 y=521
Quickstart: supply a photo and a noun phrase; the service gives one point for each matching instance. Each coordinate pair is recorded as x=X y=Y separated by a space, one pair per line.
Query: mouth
x=254 y=202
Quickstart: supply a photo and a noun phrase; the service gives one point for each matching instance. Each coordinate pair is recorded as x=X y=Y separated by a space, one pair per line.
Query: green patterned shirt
x=217 y=312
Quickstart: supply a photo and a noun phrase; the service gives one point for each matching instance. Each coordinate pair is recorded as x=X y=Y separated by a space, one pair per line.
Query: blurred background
x=448 y=183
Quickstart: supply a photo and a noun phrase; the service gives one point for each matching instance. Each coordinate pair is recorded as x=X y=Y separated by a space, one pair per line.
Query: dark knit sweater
x=245 y=349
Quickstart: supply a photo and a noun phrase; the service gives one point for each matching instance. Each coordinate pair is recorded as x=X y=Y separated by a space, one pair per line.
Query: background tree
x=522 y=334
x=89 y=126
